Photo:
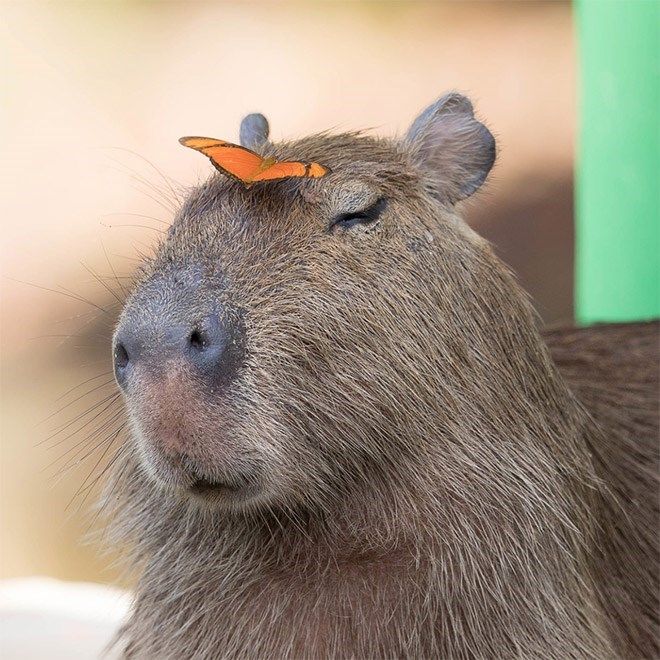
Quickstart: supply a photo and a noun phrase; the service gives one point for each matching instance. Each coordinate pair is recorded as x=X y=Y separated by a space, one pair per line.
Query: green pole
x=618 y=162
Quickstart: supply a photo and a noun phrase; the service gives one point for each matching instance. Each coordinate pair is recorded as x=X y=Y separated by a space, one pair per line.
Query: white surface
x=43 y=618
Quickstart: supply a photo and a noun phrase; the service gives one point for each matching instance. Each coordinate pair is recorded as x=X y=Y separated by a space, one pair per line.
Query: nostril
x=121 y=356
x=198 y=340
x=121 y=361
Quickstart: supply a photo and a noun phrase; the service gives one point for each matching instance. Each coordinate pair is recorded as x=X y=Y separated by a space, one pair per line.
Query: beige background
x=93 y=94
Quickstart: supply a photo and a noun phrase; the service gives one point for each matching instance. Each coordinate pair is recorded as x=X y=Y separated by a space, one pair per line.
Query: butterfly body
x=249 y=167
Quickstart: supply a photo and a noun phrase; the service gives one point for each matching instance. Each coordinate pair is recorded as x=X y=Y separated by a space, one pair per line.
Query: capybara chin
x=349 y=440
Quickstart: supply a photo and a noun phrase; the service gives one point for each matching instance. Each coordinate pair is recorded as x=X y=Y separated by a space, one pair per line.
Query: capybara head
x=292 y=339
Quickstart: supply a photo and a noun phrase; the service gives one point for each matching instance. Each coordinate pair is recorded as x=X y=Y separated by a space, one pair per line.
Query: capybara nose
x=209 y=346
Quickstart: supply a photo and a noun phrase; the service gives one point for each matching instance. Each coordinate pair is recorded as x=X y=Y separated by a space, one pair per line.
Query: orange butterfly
x=247 y=166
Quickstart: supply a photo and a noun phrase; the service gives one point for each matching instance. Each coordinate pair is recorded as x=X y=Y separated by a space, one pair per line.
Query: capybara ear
x=454 y=151
x=254 y=131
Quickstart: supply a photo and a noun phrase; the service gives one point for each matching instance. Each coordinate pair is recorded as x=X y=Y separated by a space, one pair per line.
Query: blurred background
x=94 y=98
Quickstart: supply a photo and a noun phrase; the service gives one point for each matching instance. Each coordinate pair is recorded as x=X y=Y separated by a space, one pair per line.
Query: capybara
x=350 y=440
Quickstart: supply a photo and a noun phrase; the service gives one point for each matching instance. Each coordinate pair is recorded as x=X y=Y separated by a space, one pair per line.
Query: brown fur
x=427 y=483
x=613 y=370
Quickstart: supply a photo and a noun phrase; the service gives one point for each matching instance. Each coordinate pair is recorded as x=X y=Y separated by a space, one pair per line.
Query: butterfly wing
x=228 y=158
x=291 y=169
x=247 y=166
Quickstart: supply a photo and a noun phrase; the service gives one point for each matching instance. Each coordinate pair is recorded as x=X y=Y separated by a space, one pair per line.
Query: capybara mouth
x=237 y=488
x=203 y=486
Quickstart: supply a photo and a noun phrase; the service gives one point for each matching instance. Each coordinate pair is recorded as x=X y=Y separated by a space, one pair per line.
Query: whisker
x=168 y=208
x=75 y=387
x=107 y=258
x=102 y=283
x=91 y=313
x=145 y=187
x=110 y=443
x=114 y=226
x=166 y=179
x=77 y=458
x=67 y=425
x=100 y=508
x=114 y=459
x=138 y=215
x=65 y=292
x=86 y=441
x=78 y=398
